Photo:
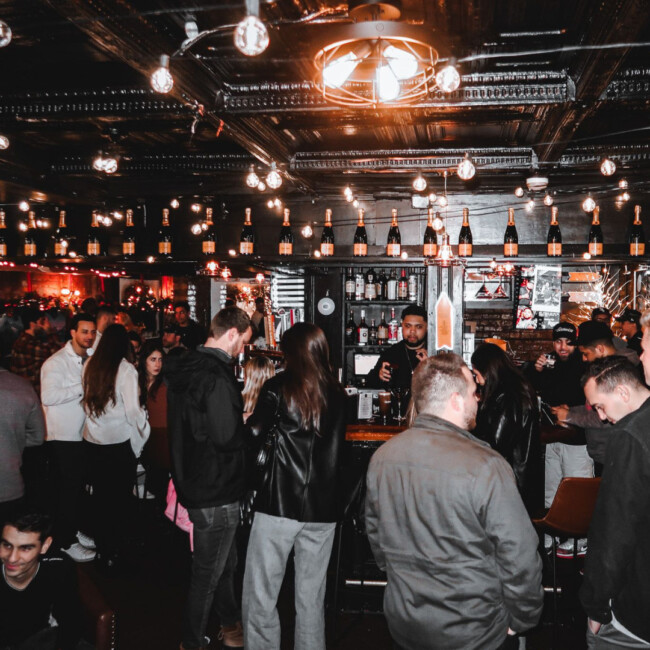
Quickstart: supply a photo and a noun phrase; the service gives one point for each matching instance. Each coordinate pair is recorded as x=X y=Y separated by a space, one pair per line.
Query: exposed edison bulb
x=110 y=165
x=108 y=222
x=443 y=201
x=493 y=264
x=625 y=196
x=438 y=223
x=307 y=232
x=259 y=277
x=22 y=226
x=196 y=229
x=337 y=72
x=316 y=253
x=355 y=203
x=277 y=203
x=607 y=167
x=211 y=266
x=466 y=169
x=349 y=197
x=174 y=203
x=273 y=178
x=448 y=79
x=261 y=186
x=195 y=207
x=588 y=204
x=251 y=36
x=269 y=204
x=403 y=63
x=232 y=252
x=23 y=206
x=519 y=192
x=117 y=215
x=4 y=142
x=150 y=260
x=388 y=87
x=226 y=273
x=252 y=179
x=39 y=223
x=530 y=205
x=161 y=79
x=586 y=256
x=548 y=199
x=5 y=34
x=623 y=184
x=419 y=183
x=204 y=225
x=432 y=197
x=347 y=191
x=98 y=163
x=404 y=255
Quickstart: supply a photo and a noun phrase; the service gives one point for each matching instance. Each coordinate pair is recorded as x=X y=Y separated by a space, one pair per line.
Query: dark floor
x=148 y=598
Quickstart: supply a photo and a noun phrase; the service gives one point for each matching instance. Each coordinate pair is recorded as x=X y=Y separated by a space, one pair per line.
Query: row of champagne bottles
x=164 y=245
x=373 y=285
x=384 y=333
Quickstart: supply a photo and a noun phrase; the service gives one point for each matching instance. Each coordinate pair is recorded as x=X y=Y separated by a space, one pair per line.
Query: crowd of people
x=448 y=502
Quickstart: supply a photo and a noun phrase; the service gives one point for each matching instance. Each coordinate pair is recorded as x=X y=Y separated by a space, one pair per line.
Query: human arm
x=581 y=416
x=224 y=412
x=372 y=514
x=35 y=424
x=379 y=376
x=56 y=384
x=263 y=416
x=135 y=414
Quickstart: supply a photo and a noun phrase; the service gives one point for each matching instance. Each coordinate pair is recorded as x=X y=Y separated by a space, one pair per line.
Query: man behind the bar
x=446 y=522
x=615 y=591
x=192 y=334
x=631 y=328
x=207 y=445
x=397 y=364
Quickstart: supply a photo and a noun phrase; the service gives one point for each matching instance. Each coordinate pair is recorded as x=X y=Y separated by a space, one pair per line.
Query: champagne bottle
x=382 y=331
x=350 y=330
x=394 y=243
x=372 y=333
x=61 y=240
x=554 y=239
x=349 y=285
x=128 y=238
x=637 y=236
x=595 y=234
x=286 y=236
x=327 y=237
x=430 y=244
x=511 y=239
x=94 y=247
x=29 y=247
x=465 y=243
x=362 y=330
x=209 y=242
x=403 y=287
x=360 y=237
x=165 y=238
x=247 y=237
x=3 y=235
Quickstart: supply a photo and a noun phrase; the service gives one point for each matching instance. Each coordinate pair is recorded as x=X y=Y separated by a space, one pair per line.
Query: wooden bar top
x=372 y=431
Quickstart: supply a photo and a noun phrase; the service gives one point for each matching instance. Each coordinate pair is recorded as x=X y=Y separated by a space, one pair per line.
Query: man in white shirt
x=105 y=317
x=61 y=393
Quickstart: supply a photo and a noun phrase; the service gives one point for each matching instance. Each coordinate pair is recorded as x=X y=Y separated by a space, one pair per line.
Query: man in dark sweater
x=615 y=591
x=192 y=334
x=36 y=591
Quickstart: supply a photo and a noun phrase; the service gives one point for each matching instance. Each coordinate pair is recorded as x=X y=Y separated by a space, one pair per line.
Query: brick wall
x=523 y=345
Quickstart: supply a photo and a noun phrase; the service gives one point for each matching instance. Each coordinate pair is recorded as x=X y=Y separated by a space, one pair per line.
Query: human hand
x=540 y=363
x=421 y=354
x=384 y=371
x=594 y=626
x=561 y=412
x=511 y=632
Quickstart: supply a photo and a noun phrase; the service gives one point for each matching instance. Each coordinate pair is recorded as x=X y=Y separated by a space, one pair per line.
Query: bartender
x=396 y=364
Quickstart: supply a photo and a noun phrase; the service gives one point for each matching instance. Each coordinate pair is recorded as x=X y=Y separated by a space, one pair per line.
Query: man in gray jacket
x=446 y=522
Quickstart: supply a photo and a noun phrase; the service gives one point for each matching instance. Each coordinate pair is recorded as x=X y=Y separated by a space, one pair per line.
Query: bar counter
x=372 y=432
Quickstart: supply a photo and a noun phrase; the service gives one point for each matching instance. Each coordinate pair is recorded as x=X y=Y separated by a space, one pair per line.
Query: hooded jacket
x=206 y=429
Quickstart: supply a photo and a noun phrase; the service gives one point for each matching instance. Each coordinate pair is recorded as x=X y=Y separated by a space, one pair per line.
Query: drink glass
x=400 y=394
x=384 y=405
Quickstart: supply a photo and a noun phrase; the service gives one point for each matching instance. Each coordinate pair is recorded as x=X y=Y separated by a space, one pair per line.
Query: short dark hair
x=106 y=309
x=182 y=303
x=610 y=372
x=228 y=318
x=78 y=318
x=31 y=522
x=89 y=306
x=414 y=310
x=29 y=315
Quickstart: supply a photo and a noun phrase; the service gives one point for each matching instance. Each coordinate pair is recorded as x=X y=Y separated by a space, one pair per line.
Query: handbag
x=263 y=461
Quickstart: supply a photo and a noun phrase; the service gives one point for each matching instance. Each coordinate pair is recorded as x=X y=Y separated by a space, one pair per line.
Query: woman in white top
x=115 y=432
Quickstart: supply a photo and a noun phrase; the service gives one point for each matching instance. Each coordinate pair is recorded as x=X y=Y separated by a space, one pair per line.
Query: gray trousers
x=564 y=460
x=609 y=638
x=270 y=543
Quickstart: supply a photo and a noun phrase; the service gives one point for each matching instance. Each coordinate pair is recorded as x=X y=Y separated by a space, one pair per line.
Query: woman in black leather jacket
x=298 y=503
x=508 y=420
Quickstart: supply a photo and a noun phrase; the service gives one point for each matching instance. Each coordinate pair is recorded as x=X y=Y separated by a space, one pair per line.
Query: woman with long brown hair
x=297 y=506
x=115 y=432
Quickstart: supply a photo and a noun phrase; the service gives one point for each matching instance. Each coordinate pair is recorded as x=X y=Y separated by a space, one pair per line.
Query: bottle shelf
x=362 y=303
x=372 y=348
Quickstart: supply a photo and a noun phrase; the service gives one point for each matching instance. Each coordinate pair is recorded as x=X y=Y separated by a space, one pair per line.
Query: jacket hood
x=178 y=370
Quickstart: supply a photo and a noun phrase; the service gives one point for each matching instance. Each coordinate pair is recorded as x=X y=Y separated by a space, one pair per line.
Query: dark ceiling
x=75 y=80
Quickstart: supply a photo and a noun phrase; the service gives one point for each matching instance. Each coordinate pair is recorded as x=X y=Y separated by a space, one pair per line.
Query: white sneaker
x=565 y=550
x=86 y=541
x=79 y=554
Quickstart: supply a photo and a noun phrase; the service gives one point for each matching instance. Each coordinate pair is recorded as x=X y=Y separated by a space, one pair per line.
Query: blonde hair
x=256 y=370
x=645 y=318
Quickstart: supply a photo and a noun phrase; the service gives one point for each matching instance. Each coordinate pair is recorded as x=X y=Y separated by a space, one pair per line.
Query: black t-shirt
x=560 y=384
x=52 y=593
x=192 y=335
x=401 y=356
x=634 y=343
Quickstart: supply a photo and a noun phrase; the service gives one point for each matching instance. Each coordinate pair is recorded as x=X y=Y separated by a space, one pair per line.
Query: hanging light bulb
x=448 y=79
x=530 y=205
x=588 y=204
x=548 y=199
x=388 y=87
x=4 y=142
x=586 y=256
x=623 y=184
x=232 y=252
x=443 y=202
x=347 y=191
x=307 y=232
x=195 y=207
x=277 y=203
x=419 y=183
x=403 y=63
x=493 y=264
x=252 y=179
x=23 y=206
x=355 y=203
x=225 y=273
x=22 y=226
x=519 y=192
x=174 y=203
x=349 y=197
x=269 y=204
x=337 y=72
x=432 y=197
x=261 y=186
x=273 y=178
x=161 y=79
x=196 y=229
x=5 y=34
x=404 y=255
x=445 y=256
x=260 y=277
x=438 y=223
x=625 y=196
x=204 y=225
x=607 y=167
x=98 y=162
x=110 y=165
x=251 y=36
x=466 y=169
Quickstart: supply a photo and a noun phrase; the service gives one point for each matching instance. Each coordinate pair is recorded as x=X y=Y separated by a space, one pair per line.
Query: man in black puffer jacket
x=206 y=436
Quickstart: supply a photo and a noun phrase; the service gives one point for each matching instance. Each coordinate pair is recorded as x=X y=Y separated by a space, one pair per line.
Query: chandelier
x=380 y=62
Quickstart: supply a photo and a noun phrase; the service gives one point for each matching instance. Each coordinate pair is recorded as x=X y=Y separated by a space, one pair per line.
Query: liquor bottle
x=372 y=333
x=554 y=238
x=403 y=287
x=327 y=237
x=247 y=237
x=3 y=237
x=359 y=285
x=393 y=327
x=61 y=240
x=29 y=247
x=349 y=285
x=391 y=286
x=637 y=236
x=465 y=244
x=360 y=237
x=412 y=286
x=382 y=331
x=595 y=234
x=511 y=239
x=362 y=330
x=350 y=330
x=370 y=292
x=430 y=243
x=165 y=236
x=128 y=238
x=285 y=246
x=209 y=243
x=94 y=247
x=394 y=243
x=381 y=282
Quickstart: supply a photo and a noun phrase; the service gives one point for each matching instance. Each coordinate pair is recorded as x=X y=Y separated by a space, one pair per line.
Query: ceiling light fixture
x=98 y=162
x=251 y=36
x=419 y=183
x=519 y=192
x=110 y=165
x=174 y=203
x=588 y=205
x=607 y=167
x=273 y=178
x=432 y=197
x=623 y=184
x=196 y=229
x=5 y=34
x=161 y=79
x=4 y=142
x=448 y=79
x=261 y=186
x=548 y=199
x=443 y=201
x=466 y=168
x=23 y=206
x=195 y=207
x=252 y=179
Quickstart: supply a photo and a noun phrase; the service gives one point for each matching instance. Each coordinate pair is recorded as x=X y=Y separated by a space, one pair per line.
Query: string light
x=419 y=183
x=273 y=178
x=466 y=168
x=23 y=206
x=448 y=79
x=623 y=184
x=519 y=192
x=5 y=34
x=251 y=36
x=530 y=205
x=443 y=202
x=261 y=186
x=607 y=167
x=196 y=229
x=4 y=142
x=252 y=179
x=432 y=197
x=174 y=203
x=161 y=79
x=548 y=199
x=195 y=207
x=588 y=205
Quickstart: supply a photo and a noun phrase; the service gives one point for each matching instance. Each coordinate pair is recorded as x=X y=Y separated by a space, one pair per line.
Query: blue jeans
x=213 y=566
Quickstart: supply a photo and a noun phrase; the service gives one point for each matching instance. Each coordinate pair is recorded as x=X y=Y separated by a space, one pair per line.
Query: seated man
x=39 y=601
